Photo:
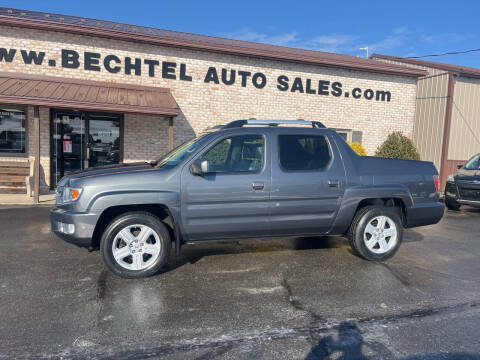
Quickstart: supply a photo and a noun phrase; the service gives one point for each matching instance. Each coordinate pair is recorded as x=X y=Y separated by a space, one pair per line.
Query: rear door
x=232 y=200
x=308 y=182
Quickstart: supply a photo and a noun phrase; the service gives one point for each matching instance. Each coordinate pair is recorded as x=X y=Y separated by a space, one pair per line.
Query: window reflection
x=104 y=142
x=12 y=130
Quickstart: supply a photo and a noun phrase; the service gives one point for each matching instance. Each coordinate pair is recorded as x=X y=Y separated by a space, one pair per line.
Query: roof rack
x=255 y=122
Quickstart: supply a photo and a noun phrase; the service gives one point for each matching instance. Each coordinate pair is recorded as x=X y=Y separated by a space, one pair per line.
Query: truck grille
x=469 y=194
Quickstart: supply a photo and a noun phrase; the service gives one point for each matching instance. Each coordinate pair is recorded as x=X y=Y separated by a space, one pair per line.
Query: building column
x=170 y=133
x=446 y=130
x=36 y=171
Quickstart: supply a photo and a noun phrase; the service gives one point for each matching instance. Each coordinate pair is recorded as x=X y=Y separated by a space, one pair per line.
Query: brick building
x=77 y=92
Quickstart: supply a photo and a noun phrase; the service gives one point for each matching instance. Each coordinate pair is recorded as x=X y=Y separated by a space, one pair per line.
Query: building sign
x=92 y=61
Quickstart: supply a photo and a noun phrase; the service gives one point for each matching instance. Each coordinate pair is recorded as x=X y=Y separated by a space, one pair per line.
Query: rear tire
x=452 y=204
x=135 y=245
x=376 y=233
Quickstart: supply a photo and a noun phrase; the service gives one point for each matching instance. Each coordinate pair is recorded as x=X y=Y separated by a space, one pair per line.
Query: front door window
x=237 y=154
x=82 y=140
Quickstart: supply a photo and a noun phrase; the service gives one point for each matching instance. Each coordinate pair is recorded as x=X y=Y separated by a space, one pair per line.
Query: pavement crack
x=101 y=292
x=395 y=274
x=297 y=305
x=217 y=346
x=101 y=284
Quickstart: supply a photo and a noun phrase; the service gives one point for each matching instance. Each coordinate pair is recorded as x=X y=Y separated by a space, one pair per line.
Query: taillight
x=436 y=179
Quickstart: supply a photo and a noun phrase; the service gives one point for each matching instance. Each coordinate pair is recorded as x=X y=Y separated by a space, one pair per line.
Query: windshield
x=181 y=152
x=473 y=163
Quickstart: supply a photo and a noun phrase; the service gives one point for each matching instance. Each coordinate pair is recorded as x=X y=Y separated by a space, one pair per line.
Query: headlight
x=450 y=178
x=70 y=194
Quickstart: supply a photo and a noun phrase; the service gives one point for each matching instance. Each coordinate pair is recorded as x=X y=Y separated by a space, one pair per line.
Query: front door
x=81 y=140
x=231 y=201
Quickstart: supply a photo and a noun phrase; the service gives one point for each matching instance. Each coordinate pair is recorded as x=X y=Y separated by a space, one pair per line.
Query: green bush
x=398 y=146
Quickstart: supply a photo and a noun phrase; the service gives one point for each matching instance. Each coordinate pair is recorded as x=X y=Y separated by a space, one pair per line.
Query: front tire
x=376 y=233
x=135 y=245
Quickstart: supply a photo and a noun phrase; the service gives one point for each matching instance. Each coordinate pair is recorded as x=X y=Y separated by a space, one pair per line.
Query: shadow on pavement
x=468 y=209
x=412 y=236
x=350 y=344
x=194 y=253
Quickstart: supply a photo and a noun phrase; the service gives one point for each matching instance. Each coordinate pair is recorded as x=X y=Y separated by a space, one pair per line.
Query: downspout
x=446 y=130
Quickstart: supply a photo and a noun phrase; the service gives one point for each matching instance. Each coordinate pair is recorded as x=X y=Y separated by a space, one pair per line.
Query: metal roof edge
x=77 y=25
x=469 y=71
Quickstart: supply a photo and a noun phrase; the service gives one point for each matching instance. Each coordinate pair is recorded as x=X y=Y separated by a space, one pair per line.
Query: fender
x=106 y=199
x=354 y=195
x=169 y=199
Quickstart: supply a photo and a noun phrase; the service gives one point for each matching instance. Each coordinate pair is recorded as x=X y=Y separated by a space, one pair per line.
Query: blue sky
x=401 y=28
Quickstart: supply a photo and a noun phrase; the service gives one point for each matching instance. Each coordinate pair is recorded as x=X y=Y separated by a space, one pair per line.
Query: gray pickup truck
x=246 y=179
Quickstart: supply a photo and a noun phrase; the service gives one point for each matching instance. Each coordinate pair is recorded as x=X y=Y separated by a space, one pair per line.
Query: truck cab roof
x=273 y=123
x=285 y=125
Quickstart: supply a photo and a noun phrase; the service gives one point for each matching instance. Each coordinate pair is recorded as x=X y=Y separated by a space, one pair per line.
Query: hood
x=110 y=169
x=468 y=175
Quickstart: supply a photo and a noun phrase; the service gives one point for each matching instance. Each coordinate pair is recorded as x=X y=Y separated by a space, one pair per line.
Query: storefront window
x=12 y=130
x=346 y=134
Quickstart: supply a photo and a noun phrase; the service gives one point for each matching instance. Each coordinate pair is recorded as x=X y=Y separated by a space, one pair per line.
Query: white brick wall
x=145 y=137
x=203 y=105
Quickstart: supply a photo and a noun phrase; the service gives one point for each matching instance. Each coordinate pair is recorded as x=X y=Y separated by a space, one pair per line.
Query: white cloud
x=334 y=39
x=395 y=40
x=285 y=39
x=333 y=42
x=443 y=38
x=400 y=30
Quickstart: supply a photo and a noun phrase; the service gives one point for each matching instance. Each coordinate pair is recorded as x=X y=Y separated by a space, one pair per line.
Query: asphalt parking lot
x=289 y=298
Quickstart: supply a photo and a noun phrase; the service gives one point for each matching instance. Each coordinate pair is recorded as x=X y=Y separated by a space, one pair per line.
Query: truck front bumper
x=74 y=227
x=469 y=195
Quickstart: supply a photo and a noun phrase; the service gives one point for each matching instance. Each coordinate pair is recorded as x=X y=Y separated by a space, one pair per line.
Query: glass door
x=103 y=140
x=83 y=140
x=68 y=152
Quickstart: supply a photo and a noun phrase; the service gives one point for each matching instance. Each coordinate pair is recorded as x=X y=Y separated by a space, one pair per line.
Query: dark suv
x=250 y=178
x=463 y=188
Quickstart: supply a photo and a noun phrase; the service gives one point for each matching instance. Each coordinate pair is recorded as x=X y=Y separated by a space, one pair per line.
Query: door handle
x=257 y=185
x=335 y=183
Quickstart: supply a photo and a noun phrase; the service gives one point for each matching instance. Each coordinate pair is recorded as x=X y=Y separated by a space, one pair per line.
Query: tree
x=398 y=146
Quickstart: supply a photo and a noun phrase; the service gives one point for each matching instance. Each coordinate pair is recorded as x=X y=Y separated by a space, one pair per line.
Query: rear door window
x=304 y=152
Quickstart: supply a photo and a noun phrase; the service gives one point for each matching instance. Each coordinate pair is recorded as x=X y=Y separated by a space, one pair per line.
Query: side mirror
x=200 y=167
x=459 y=166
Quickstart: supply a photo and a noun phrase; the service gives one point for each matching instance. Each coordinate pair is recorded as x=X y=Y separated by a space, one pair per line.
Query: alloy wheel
x=136 y=247
x=380 y=235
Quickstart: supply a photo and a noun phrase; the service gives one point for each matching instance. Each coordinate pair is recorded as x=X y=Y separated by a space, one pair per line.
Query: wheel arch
x=162 y=211
x=394 y=202
x=358 y=197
